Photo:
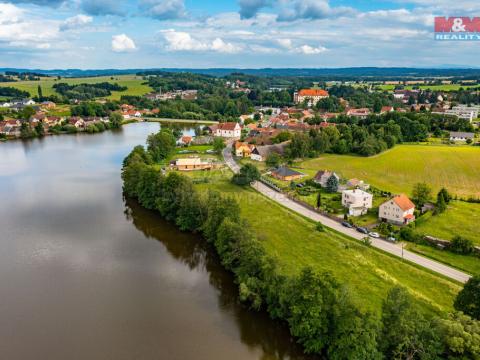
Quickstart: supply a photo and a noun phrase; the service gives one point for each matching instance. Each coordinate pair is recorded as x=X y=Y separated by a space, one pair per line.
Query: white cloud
x=183 y=41
x=285 y=43
x=122 y=43
x=310 y=50
x=76 y=22
x=163 y=9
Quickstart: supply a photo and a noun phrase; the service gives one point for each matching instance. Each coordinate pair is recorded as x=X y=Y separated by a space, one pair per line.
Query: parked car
x=374 y=235
x=362 y=230
x=347 y=224
x=391 y=239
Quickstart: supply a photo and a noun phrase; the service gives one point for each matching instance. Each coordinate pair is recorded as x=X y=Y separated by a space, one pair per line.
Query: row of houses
x=172 y=95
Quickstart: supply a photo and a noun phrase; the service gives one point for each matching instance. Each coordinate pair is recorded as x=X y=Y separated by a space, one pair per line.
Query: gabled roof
x=227 y=126
x=284 y=171
x=403 y=202
x=459 y=134
x=313 y=92
x=322 y=173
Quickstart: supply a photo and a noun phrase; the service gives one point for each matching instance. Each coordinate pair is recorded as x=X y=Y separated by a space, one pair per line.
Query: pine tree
x=319 y=200
x=332 y=184
x=40 y=92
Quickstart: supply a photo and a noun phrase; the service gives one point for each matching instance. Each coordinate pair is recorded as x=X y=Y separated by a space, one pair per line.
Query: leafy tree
x=116 y=120
x=406 y=334
x=39 y=129
x=192 y=212
x=248 y=173
x=421 y=194
x=218 y=144
x=354 y=335
x=441 y=205
x=332 y=184
x=148 y=186
x=310 y=298
x=460 y=335
x=273 y=160
x=445 y=194
x=40 y=92
x=161 y=145
x=460 y=245
x=468 y=299
x=26 y=131
x=319 y=200
x=218 y=208
x=169 y=201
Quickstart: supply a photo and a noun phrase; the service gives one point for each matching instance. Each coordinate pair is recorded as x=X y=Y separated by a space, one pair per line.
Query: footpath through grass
x=134 y=83
x=369 y=273
x=455 y=167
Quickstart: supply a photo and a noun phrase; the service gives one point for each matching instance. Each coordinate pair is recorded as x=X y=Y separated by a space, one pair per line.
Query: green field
x=455 y=167
x=446 y=87
x=460 y=218
x=369 y=273
x=467 y=263
x=134 y=83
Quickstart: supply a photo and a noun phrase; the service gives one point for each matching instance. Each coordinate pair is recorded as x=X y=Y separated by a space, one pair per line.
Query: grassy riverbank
x=370 y=273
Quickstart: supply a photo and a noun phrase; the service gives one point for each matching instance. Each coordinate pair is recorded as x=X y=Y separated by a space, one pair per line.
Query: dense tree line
x=94 y=109
x=87 y=91
x=319 y=310
x=13 y=92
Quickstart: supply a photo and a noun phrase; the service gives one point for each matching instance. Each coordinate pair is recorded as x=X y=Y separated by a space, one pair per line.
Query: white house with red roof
x=231 y=130
x=312 y=95
x=361 y=113
x=399 y=210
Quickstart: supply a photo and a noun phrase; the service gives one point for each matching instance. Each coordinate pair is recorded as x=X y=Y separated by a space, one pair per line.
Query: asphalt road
x=392 y=248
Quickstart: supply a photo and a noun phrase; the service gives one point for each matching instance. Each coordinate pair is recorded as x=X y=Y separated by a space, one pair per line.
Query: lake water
x=85 y=274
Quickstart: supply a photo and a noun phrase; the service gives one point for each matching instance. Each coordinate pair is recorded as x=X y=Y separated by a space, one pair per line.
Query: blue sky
x=234 y=33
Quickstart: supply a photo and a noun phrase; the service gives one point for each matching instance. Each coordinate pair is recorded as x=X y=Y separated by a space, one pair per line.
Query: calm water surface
x=85 y=274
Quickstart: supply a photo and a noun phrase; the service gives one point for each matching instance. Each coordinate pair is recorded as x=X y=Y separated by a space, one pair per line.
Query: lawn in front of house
x=369 y=273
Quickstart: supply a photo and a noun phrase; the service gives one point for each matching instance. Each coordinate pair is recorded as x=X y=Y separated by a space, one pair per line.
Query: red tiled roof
x=227 y=126
x=403 y=202
x=409 y=216
x=313 y=92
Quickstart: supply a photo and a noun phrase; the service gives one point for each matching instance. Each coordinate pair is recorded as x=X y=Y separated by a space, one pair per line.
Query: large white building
x=312 y=95
x=231 y=130
x=464 y=112
x=398 y=210
x=357 y=201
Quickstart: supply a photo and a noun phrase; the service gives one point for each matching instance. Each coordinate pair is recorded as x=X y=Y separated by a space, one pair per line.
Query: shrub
x=461 y=245
x=319 y=227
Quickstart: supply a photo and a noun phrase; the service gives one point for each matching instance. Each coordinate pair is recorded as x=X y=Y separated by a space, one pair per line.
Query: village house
x=461 y=136
x=322 y=177
x=285 y=174
x=399 y=210
x=360 y=113
x=357 y=201
x=243 y=149
x=76 y=121
x=260 y=153
x=357 y=184
x=48 y=105
x=185 y=140
x=193 y=164
x=386 y=109
x=313 y=96
x=228 y=130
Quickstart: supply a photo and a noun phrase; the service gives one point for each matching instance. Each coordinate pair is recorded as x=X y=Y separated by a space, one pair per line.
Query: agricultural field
x=134 y=83
x=369 y=273
x=445 y=87
x=455 y=167
x=460 y=218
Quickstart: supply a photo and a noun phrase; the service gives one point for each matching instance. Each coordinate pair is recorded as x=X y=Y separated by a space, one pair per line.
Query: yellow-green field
x=445 y=87
x=134 y=83
x=455 y=167
x=369 y=273
x=460 y=218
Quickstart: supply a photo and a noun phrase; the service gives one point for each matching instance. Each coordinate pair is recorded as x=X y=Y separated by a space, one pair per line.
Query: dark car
x=347 y=224
x=362 y=230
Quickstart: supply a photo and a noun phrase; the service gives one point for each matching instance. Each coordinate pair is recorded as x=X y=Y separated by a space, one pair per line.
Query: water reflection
x=257 y=330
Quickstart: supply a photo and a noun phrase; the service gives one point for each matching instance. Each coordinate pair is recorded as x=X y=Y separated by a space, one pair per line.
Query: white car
x=374 y=235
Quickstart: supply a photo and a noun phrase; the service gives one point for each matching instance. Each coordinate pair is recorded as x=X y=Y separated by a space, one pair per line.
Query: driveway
x=392 y=248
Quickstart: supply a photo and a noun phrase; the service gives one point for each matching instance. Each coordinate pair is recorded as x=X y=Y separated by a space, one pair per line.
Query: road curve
x=394 y=249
